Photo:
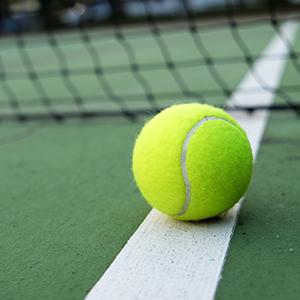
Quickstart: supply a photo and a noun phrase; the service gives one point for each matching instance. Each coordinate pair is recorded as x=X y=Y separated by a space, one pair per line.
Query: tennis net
x=142 y=59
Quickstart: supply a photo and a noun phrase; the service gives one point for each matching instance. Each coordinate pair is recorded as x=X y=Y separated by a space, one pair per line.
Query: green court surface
x=68 y=206
x=69 y=203
x=263 y=261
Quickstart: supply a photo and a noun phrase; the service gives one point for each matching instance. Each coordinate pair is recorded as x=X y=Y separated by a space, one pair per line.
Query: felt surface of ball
x=192 y=161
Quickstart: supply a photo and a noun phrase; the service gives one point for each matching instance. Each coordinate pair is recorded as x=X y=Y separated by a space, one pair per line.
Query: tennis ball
x=192 y=161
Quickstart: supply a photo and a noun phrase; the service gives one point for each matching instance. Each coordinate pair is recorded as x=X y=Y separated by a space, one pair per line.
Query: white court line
x=169 y=259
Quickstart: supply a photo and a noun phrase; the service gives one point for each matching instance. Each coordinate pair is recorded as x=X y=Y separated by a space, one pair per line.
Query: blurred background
x=61 y=59
x=33 y=15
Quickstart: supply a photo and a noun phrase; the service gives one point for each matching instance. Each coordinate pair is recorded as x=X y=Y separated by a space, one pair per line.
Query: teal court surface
x=73 y=223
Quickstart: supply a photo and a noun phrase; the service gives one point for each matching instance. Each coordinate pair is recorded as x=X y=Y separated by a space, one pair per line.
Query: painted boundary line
x=169 y=259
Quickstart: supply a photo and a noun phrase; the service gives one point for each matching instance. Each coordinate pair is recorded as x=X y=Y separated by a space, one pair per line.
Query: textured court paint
x=67 y=196
x=167 y=259
x=264 y=259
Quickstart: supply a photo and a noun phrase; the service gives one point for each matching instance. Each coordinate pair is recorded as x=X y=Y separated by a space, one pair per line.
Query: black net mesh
x=142 y=57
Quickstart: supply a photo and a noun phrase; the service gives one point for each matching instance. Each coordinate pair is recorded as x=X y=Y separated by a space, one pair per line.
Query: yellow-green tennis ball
x=192 y=161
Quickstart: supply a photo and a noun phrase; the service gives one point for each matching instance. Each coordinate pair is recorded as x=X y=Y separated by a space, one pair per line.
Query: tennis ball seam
x=184 y=170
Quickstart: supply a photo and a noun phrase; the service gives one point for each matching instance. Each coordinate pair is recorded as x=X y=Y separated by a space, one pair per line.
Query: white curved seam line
x=183 y=161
